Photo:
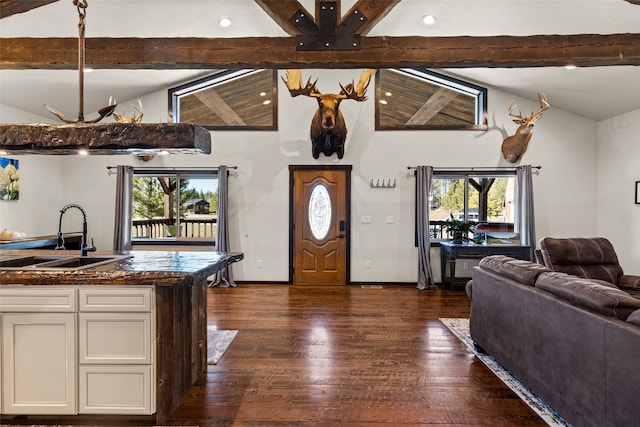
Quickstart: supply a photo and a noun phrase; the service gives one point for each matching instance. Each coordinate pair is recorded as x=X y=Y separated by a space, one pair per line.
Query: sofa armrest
x=629 y=281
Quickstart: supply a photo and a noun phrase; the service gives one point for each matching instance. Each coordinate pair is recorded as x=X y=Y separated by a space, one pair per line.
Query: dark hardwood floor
x=345 y=355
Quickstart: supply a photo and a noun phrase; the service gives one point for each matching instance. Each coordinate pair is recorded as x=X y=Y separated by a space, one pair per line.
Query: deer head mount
x=514 y=146
x=328 y=129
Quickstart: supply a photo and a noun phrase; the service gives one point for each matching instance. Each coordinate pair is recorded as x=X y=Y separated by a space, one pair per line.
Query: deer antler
x=534 y=117
x=544 y=105
x=293 y=81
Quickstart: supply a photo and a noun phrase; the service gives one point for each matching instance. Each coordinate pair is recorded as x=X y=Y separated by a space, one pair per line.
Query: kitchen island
x=122 y=339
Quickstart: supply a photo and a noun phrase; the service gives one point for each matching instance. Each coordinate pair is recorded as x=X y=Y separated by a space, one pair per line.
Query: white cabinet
x=77 y=350
x=116 y=351
x=38 y=350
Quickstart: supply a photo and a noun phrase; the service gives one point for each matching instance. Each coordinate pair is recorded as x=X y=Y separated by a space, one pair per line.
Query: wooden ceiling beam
x=11 y=7
x=374 y=11
x=583 y=50
x=281 y=12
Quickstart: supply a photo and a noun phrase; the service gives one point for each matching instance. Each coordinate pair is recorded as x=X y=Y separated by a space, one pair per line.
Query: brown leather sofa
x=574 y=342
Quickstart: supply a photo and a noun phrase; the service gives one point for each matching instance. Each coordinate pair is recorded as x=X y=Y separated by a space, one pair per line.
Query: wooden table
x=469 y=250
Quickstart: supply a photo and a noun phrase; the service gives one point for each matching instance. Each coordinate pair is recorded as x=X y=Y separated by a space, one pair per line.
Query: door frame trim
x=345 y=168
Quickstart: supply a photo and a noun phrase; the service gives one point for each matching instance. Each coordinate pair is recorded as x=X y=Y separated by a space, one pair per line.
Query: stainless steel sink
x=58 y=262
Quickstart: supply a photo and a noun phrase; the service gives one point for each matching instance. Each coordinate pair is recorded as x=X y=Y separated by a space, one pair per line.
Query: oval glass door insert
x=319 y=211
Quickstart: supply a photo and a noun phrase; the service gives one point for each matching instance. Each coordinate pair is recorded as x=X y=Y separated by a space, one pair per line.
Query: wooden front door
x=319 y=224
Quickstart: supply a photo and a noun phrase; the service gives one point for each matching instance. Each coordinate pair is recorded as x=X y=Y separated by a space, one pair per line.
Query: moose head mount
x=328 y=128
x=514 y=146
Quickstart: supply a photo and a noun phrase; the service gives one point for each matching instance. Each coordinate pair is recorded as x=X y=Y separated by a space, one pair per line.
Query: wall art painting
x=9 y=179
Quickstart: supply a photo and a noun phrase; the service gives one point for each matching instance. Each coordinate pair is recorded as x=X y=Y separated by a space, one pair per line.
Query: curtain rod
x=477 y=168
x=175 y=169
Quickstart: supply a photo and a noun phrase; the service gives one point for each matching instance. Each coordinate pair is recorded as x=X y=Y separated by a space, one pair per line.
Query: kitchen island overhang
x=179 y=280
x=153 y=268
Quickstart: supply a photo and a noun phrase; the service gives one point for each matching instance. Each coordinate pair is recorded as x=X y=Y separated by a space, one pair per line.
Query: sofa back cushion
x=519 y=270
x=599 y=296
x=591 y=258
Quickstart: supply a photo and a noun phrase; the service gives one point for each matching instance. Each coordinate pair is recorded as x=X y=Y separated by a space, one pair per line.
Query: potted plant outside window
x=459 y=229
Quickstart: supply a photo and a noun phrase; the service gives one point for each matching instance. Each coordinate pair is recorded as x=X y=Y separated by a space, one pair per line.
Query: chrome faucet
x=84 y=247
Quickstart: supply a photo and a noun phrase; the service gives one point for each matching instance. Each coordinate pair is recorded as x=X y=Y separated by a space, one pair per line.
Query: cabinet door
x=116 y=389
x=39 y=363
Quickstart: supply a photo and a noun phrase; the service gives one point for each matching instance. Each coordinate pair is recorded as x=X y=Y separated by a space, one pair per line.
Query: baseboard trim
x=275 y=282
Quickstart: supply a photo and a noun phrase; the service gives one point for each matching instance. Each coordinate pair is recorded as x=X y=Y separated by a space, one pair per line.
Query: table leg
x=452 y=273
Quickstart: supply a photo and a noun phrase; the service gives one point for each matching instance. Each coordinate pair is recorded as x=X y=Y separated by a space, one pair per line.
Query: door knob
x=340 y=236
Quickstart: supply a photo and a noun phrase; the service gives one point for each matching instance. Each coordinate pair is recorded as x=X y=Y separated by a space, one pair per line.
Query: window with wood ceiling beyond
x=413 y=99
x=170 y=208
x=231 y=99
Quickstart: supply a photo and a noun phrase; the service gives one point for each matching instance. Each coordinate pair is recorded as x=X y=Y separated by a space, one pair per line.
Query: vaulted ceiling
x=520 y=46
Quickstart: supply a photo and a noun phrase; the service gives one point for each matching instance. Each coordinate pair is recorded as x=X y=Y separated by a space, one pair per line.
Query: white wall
x=41 y=186
x=565 y=145
x=618 y=169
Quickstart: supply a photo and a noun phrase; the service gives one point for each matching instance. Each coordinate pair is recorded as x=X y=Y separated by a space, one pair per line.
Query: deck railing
x=166 y=227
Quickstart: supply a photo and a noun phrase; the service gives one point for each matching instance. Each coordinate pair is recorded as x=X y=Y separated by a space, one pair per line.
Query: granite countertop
x=157 y=268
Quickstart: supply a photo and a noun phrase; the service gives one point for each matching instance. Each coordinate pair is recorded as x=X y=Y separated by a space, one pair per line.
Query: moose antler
x=293 y=81
x=359 y=94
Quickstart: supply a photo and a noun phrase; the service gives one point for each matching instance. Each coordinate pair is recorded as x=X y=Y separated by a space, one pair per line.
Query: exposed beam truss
x=11 y=7
x=583 y=50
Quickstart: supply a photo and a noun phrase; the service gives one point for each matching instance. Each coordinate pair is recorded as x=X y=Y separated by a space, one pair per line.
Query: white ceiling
x=593 y=92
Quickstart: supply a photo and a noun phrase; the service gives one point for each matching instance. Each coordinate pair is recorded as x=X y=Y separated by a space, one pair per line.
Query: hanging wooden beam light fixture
x=122 y=137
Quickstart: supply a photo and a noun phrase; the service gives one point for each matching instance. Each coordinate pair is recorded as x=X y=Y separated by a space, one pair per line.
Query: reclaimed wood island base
x=173 y=287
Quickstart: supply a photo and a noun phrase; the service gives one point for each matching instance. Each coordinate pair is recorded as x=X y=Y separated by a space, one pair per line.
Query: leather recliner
x=590 y=258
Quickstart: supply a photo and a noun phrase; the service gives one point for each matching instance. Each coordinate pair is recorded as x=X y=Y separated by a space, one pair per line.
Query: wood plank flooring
x=345 y=356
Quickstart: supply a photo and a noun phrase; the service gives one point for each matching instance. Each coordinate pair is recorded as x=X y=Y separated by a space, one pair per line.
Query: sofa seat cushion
x=634 y=318
x=595 y=295
x=522 y=271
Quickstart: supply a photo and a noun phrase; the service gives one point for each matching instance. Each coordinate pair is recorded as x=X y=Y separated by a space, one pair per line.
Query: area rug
x=460 y=328
x=218 y=341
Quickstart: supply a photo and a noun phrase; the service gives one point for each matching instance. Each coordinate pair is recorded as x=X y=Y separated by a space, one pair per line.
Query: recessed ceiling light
x=428 y=19
x=83 y=152
x=266 y=102
x=387 y=94
x=224 y=22
x=383 y=101
x=263 y=93
x=570 y=67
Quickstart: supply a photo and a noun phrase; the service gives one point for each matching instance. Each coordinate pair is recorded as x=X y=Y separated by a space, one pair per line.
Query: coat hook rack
x=382 y=183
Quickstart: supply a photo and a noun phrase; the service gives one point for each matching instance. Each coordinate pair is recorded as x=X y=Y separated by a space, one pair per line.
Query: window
x=418 y=99
x=174 y=206
x=486 y=198
x=232 y=99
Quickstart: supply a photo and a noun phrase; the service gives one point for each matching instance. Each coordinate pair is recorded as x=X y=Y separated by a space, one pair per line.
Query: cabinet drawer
x=115 y=390
x=49 y=299
x=115 y=338
x=116 y=299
